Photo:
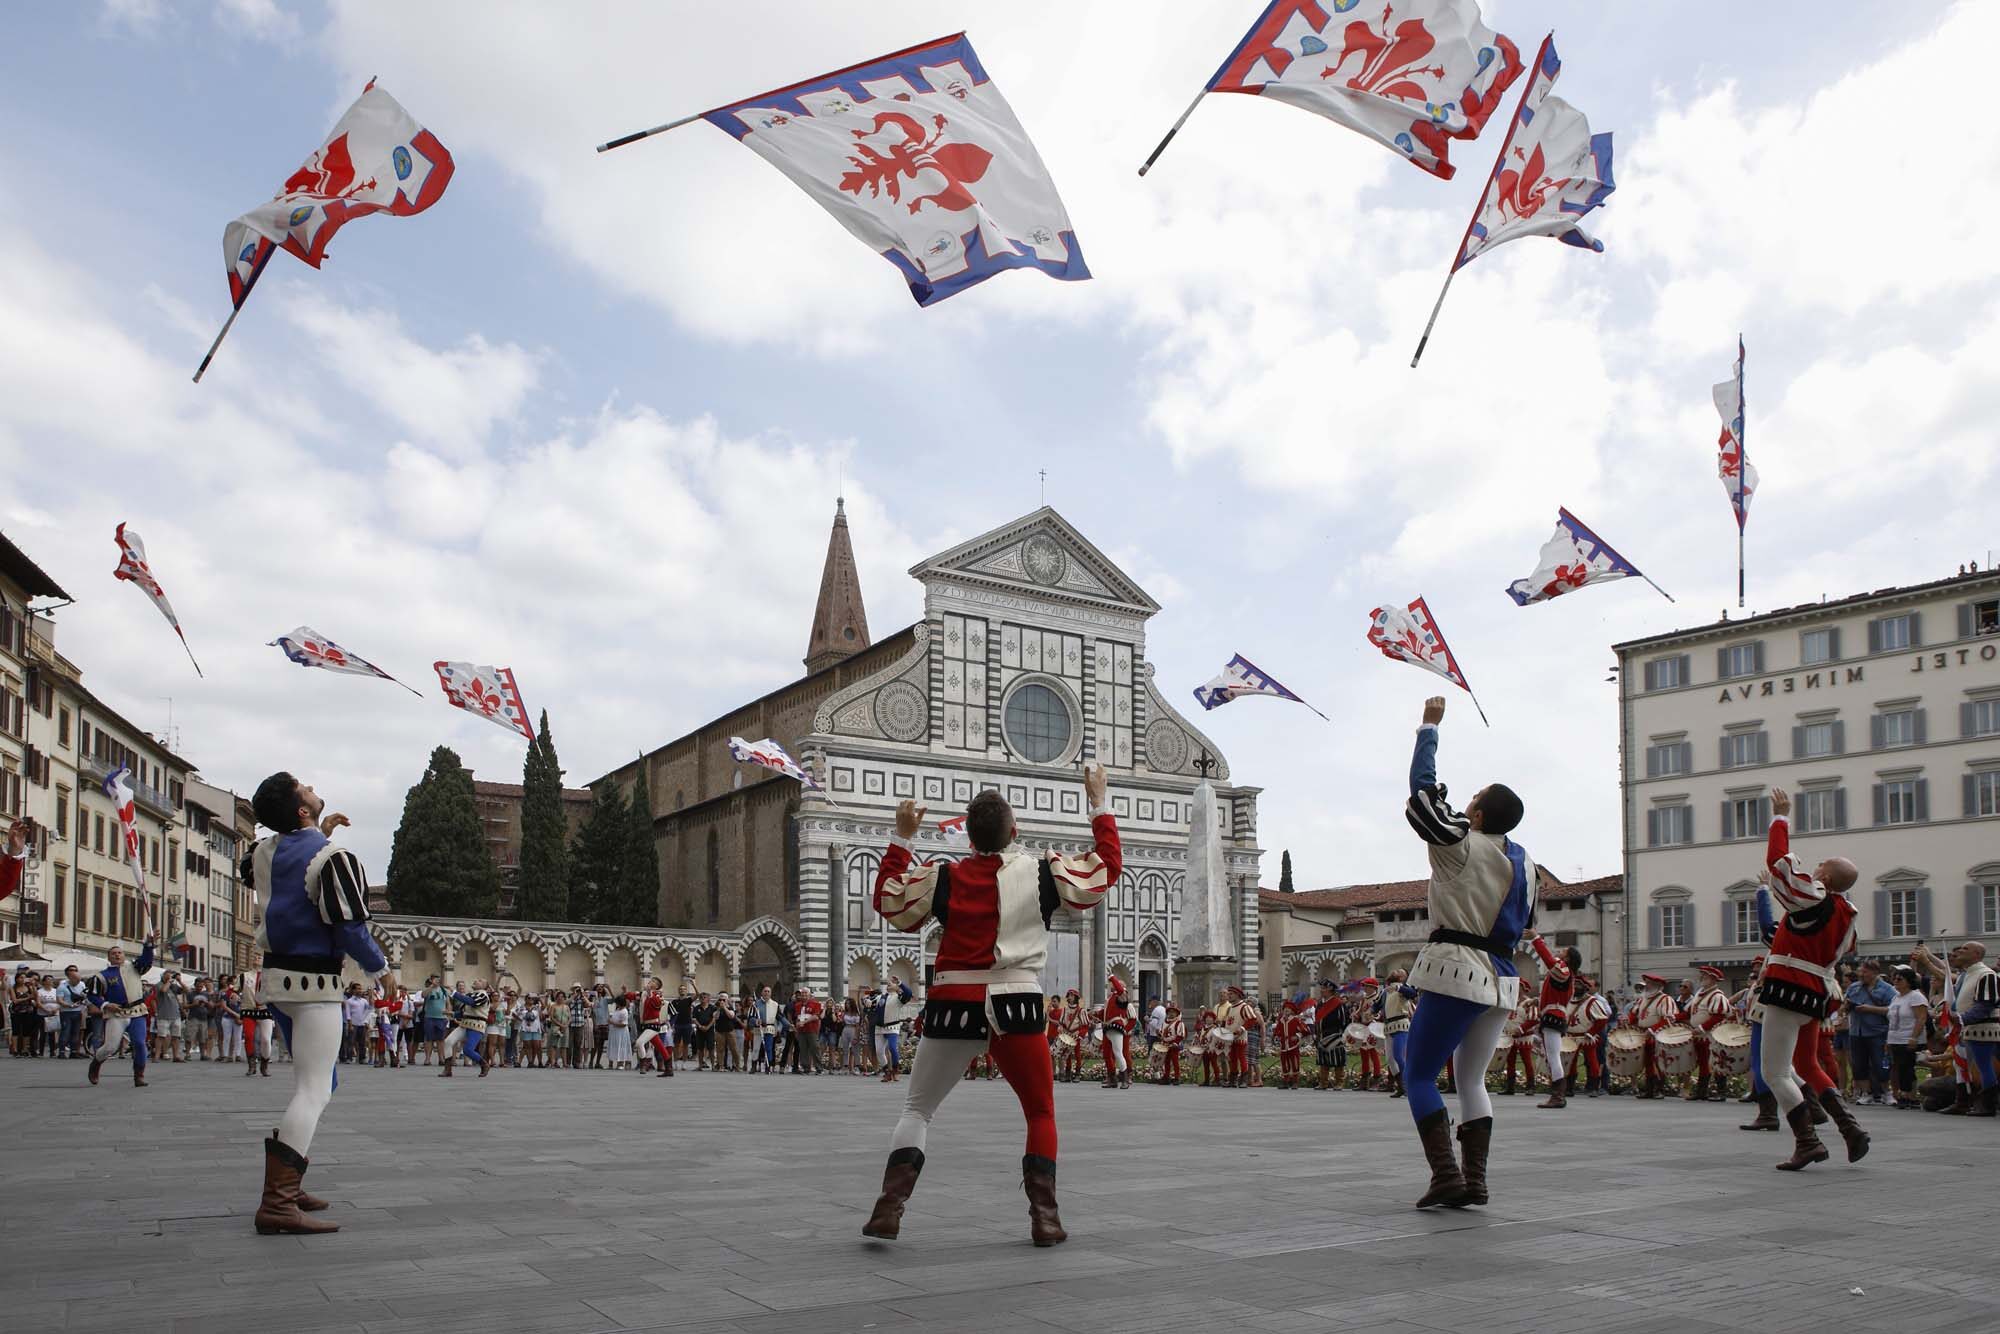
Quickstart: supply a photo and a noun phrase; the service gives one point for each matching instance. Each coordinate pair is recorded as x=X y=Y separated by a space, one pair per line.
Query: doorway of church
x=1152 y=986
x=1065 y=966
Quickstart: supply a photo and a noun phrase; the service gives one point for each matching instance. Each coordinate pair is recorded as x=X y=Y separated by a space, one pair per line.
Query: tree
x=542 y=894
x=597 y=858
x=639 y=878
x=439 y=865
x=1285 y=873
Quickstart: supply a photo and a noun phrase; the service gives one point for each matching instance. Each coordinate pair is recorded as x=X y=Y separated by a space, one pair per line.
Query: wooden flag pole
x=637 y=135
x=1742 y=468
x=1656 y=588
x=1148 y=166
x=1421 y=342
x=248 y=287
x=1475 y=704
x=186 y=649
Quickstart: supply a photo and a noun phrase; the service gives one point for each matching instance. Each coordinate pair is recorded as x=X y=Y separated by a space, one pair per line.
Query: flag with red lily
x=1733 y=461
x=309 y=648
x=485 y=692
x=1550 y=172
x=133 y=568
x=772 y=756
x=953 y=829
x=1410 y=634
x=1412 y=77
x=920 y=158
x=118 y=787
x=1574 y=558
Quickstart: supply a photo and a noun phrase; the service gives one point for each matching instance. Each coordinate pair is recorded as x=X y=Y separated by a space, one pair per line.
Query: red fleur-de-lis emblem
x=484 y=700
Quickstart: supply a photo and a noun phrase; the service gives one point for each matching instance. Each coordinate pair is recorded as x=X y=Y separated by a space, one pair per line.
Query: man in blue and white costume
x=1482 y=896
x=122 y=1008
x=315 y=914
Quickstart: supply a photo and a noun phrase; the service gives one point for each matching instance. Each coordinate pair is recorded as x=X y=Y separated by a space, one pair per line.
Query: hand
x=333 y=822
x=1781 y=801
x=1434 y=710
x=909 y=819
x=1095 y=783
x=1530 y=936
x=17 y=838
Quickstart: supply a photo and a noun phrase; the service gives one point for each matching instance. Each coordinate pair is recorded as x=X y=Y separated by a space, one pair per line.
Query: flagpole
x=637 y=135
x=190 y=653
x=1742 y=468
x=1434 y=317
x=1656 y=588
x=1475 y=704
x=1148 y=166
x=255 y=274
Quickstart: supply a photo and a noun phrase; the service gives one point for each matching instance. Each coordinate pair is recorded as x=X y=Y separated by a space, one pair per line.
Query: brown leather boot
x=1961 y=1103
x=446 y=1072
x=1806 y=1148
x=1038 y=1178
x=1850 y=1129
x=278 y=1212
x=138 y=1079
x=1447 y=1182
x=1125 y=1078
x=1322 y=1078
x=899 y=1178
x=1813 y=1109
x=1986 y=1104
x=1700 y=1093
x=1474 y=1138
x=1557 y=1098
x=265 y=1062
x=1767 y=1113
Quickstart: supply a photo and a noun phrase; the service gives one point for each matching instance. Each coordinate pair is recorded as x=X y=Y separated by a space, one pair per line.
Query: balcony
x=95 y=771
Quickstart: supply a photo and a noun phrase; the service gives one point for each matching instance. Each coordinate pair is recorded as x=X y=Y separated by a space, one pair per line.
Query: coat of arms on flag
x=953 y=829
x=1739 y=478
x=1410 y=74
x=1573 y=558
x=1243 y=677
x=118 y=787
x=772 y=756
x=917 y=155
x=132 y=567
x=1410 y=634
x=485 y=692
x=309 y=648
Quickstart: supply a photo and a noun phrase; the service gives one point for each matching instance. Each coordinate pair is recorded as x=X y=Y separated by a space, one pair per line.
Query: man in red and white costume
x=1173 y=1036
x=1590 y=1016
x=1709 y=1007
x=1521 y=1041
x=1116 y=1021
x=1077 y=1022
x=1815 y=929
x=985 y=993
x=1558 y=982
x=1285 y=1035
x=1657 y=1009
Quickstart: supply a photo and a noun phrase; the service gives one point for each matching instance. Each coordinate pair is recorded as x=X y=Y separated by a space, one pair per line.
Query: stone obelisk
x=1206 y=960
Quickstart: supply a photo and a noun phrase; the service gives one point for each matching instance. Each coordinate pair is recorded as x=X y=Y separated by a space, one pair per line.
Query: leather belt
x=1445 y=935
x=985 y=977
x=1819 y=971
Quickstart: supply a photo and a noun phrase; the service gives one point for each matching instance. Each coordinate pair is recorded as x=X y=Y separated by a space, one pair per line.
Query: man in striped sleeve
x=315 y=914
x=1482 y=896
x=986 y=993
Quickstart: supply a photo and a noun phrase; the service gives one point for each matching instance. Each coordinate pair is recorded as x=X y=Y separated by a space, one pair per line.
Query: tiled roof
x=1402 y=895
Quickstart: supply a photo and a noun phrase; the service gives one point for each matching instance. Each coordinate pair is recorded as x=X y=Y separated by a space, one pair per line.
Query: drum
x=1570 y=1046
x=1377 y=1036
x=1356 y=1036
x=1674 y=1045
x=1066 y=1040
x=1627 y=1052
x=1729 y=1048
x=1221 y=1040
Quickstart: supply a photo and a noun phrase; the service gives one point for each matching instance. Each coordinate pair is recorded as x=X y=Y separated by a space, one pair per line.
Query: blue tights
x=1982 y=1058
x=1757 y=1084
x=1444 y=1025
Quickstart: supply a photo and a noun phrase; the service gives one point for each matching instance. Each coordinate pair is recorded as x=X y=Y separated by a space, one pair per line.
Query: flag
x=1574 y=558
x=1411 y=635
x=772 y=756
x=1550 y=172
x=486 y=692
x=1733 y=465
x=377 y=160
x=309 y=648
x=178 y=942
x=132 y=567
x=118 y=787
x=954 y=833
x=1243 y=677
x=919 y=156
x=1410 y=74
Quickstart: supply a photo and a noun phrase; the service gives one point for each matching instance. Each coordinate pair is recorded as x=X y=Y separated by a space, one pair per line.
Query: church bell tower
x=840 y=622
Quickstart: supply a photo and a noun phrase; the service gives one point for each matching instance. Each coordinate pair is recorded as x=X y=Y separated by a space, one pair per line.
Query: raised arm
x=1428 y=812
x=1787 y=871
x=906 y=892
x=1081 y=882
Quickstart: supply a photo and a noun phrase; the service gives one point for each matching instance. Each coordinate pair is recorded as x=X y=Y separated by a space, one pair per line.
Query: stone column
x=814 y=918
x=1246 y=935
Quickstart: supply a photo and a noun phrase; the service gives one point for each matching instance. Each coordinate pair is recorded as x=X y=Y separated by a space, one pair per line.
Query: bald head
x=1837 y=874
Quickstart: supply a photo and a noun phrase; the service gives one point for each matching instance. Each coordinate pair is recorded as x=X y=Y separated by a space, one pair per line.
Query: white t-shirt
x=1903 y=1016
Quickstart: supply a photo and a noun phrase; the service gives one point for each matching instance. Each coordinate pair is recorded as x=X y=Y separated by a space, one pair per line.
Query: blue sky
x=587 y=415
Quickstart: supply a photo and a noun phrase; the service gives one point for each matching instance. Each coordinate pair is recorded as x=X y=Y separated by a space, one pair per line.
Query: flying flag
x=309 y=648
x=118 y=787
x=1410 y=74
x=485 y=692
x=918 y=155
x=132 y=566
x=378 y=159
x=1411 y=635
x=1733 y=465
x=1550 y=171
x=1243 y=677
x=953 y=829
x=772 y=756
x=1574 y=558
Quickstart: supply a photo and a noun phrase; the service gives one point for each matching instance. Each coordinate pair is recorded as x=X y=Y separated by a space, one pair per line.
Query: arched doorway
x=621 y=969
x=574 y=967
x=765 y=965
x=711 y=972
x=526 y=962
x=861 y=975
x=1152 y=973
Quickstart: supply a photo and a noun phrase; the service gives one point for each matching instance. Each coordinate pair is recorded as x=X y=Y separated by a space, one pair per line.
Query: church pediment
x=1040 y=553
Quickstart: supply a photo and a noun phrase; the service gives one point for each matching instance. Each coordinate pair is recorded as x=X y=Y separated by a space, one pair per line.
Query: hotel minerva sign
x=1937 y=660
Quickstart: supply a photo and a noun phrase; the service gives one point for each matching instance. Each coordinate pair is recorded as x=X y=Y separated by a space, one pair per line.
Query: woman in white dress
x=618 y=1047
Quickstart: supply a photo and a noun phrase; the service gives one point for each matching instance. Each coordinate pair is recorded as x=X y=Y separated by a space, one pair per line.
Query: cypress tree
x=597 y=858
x=543 y=892
x=639 y=879
x=439 y=865
x=1285 y=873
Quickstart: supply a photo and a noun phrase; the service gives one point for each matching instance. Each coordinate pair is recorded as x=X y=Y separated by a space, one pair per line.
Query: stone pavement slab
x=587 y=1202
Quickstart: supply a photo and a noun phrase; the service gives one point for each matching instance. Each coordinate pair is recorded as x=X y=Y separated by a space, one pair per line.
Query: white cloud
x=140 y=16
x=263 y=20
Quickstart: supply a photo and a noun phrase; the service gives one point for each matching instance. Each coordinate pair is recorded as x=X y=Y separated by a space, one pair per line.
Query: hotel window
x=1820 y=810
x=1901 y=726
x=58 y=900
x=1667 y=826
x=1667 y=758
x=1746 y=816
x=1905 y=912
x=1979 y=717
x=1673 y=926
x=97 y=907
x=1902 y=801
x=1667 y=673
x=1746 y=747
x=1979 y=618
x=1817 y=739
x=100 y=833
x=1743 y=916
x=62 y=813
x=1740 y=659
x=1891 y=633
x=1819 y=646
x=1986 y=900
x=1982 y=793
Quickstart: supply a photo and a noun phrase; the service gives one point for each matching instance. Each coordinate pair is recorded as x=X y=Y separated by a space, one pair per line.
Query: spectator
x=354 y=1014
x=500 y=1029
x=195 y=1007
x=810 y=1012
x=227 y=1021
x=164 y=1033
x=50 y=1013
x=850 y=1036
x=1867 y=1006
x=437 y=998
x=618 y=1041
x=728 y=1036
x=69 y=1003
x=578 y=1021
x=1907 y=1015
x=763 y=1028
x=24 y=1032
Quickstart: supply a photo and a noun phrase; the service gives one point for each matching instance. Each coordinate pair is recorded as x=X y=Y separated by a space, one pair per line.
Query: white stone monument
x=1208 y=927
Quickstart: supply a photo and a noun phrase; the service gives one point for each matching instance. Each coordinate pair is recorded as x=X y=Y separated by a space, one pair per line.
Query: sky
x=587 y=416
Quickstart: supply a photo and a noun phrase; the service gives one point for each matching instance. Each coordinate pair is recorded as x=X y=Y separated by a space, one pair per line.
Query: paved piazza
x=552 y=1201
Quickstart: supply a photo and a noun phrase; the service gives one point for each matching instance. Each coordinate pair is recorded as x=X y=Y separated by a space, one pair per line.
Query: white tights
x=1475 y=1053
x=937 y=1070
x=1774 y=1056
x=315 y=1047
x=1552 y=1053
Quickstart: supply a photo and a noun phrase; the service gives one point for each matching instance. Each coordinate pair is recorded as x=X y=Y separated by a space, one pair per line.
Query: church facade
x=1030 y=660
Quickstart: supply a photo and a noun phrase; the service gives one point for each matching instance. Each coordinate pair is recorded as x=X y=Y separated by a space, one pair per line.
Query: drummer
x=1657 y=1009
x=1591 y=1022
x=1330 y=1047
x=1173 y=1034
x=1709 y=1007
